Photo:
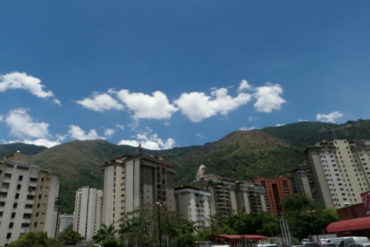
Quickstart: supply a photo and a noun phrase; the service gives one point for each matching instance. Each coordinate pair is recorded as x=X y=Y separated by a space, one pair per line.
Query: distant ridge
x=268 y=152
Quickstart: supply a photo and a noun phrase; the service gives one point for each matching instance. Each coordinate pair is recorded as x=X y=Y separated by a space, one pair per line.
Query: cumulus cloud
x=109 y=132
x=198 y=106
x=247 y=128
x=21 y=124
x=75 y=132
x=100 y=103
x=268 y=98
x=18 y=80
x=1 y=118
x=144 y=106
x=244 y=85
x=152 y=142
x=39 y=142
x=120 y=126
x=330 y=117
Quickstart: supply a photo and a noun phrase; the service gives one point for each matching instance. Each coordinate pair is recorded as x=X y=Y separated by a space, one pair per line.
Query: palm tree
x=105 y=233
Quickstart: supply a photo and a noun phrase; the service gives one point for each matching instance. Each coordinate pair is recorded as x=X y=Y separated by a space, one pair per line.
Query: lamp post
x=159 y=205
x=311 y=212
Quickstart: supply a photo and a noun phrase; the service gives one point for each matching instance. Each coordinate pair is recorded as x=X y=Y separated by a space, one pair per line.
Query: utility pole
x=159 y=204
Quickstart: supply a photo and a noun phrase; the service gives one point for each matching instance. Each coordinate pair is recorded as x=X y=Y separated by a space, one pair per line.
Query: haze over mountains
x=268 y=152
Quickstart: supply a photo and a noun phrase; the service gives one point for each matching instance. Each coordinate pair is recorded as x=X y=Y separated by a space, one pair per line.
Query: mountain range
x=267 y=152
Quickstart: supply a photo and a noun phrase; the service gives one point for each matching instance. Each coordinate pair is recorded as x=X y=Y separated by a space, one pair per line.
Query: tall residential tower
x=341 y=171
x=131 y=181
x=27 y=198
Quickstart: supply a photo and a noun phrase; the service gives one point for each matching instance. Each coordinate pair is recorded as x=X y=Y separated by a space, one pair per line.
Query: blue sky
x=178 y=73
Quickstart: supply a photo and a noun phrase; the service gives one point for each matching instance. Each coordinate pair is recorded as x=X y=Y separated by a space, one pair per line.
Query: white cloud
x=200 y=136
x=39 y=142
x=22 y=125
x=76 y=132
x=268 y=98
x=330 y=117
x=247 y=128
x=120 y=126
x=278 y=125
x=144 y=106
x=17 y=80
x=109 y=132
x=100 y=103
x=244 y=85
x=1 y=118
x=198 y=106
x=152 y=142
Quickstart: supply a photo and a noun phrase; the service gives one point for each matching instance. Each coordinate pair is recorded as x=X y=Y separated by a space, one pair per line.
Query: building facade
x=276 y=189
x=251 y=198
x=301 y=180
x=222 y=190
x=193 y=204
x=27 y=198
x=132 y=181
x=65 y=220
x=341 y=171
x=231 y=196
x=87 y=213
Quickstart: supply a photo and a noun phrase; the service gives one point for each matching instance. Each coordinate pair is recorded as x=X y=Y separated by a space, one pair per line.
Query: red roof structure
x=240 y=237
x=235 y=239
x=349 y=225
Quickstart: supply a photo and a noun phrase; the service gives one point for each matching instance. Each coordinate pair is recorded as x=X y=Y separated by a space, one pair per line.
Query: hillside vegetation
x=268 y=152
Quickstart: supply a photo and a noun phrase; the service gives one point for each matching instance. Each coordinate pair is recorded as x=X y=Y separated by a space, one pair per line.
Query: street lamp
x=159 y=205
x=311 y=212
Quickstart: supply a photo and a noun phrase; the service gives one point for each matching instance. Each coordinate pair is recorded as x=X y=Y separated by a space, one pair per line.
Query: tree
x=68 y=236
x=32 y=239
x=141 y=227
x=105 y=234
x=305 y=217
x=253 y=223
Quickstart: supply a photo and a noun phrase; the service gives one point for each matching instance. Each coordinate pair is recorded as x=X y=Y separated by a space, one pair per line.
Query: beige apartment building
x=341 y=171
x=131 y=181
x=193 y=204
x=230 y=196
x=87 y=212
x=27 y=198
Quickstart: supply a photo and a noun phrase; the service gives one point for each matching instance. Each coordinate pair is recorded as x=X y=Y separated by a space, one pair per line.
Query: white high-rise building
x=87 y=214
x=341 y=171
x=194 y=204
x=132 y=181
x=27 y=199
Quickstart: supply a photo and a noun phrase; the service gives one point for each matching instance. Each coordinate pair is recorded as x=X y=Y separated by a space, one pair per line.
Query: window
x=11 y=224
x=13 y=215
x=15 y=205
x=20 y=178
x=9 y=235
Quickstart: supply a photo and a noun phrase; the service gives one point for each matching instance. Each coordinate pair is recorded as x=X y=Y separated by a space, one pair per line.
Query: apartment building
x=301 y=180
x=223 y=192
x=65 y=221
x=193 y=204
x=251 y=197
x=27 y=198
x=87 y=212
x=341 y=171
x=131 y=181
x=276 y=189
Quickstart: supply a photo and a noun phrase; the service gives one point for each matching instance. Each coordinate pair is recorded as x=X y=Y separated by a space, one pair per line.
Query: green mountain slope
x=23 y=148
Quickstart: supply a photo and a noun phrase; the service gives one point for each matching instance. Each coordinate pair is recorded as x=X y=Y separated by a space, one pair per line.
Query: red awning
x=349 y=225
